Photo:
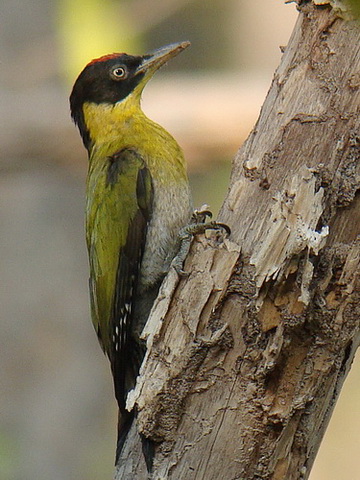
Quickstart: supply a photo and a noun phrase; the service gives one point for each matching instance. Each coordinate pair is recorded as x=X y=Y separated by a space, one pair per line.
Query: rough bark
x=247 y=355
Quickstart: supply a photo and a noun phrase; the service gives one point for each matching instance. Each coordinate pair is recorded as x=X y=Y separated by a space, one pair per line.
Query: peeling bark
x=247 y=355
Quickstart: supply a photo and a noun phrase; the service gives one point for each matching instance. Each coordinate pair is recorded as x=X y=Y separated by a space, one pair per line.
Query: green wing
x=119 y=206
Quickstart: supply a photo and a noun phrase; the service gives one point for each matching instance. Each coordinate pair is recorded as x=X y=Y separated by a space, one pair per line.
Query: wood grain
x=247 y=355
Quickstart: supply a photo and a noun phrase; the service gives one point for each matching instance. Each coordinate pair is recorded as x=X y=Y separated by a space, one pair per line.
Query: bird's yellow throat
x=108 y=123
x=123 y=125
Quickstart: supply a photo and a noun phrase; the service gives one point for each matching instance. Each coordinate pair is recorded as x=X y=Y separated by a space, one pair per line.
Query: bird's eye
x=119 y=73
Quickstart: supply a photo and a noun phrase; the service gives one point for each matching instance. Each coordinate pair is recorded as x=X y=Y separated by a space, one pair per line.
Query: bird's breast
x=172 y=210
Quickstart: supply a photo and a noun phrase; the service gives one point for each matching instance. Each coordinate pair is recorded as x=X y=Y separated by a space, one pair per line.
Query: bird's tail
x=125 y=374
x=125 y=421
x=125 y=371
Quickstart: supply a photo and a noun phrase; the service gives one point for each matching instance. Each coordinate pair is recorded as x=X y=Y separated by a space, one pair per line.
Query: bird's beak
x=154 y=60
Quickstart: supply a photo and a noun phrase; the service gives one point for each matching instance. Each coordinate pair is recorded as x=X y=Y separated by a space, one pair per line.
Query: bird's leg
x=197 y=226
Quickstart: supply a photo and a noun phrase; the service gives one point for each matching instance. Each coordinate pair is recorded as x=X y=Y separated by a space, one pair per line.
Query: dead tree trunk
x=247 y=355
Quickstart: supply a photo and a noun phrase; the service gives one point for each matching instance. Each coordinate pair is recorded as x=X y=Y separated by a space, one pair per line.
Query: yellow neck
x=109 y=124
x=114 y=127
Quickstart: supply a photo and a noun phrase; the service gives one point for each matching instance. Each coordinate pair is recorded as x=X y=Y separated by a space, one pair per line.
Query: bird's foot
x=197 y=226
x=200 y=215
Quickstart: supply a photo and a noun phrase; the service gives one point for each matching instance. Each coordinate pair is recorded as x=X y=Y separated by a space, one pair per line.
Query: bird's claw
x=179 y=269
x=199 y=215
x=197 y=228
x=219 y=225
x=187 y=234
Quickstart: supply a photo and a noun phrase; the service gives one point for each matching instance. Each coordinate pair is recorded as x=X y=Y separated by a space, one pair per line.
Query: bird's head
x=113 y=78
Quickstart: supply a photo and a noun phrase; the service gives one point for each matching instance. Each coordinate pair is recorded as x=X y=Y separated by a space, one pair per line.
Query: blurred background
x=58 y=415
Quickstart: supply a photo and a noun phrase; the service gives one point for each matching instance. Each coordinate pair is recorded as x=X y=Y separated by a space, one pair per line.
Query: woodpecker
x=137 y=200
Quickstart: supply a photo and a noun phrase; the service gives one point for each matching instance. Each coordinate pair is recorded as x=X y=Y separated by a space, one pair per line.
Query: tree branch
x=247 y=356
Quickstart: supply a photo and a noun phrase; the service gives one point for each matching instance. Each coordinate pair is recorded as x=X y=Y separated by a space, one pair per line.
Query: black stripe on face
x=97 y=84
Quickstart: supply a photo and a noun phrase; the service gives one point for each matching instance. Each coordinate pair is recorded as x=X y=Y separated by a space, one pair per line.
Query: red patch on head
x=104 y=58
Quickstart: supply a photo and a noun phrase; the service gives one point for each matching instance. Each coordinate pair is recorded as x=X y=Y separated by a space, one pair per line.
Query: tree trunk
x=247 y=355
